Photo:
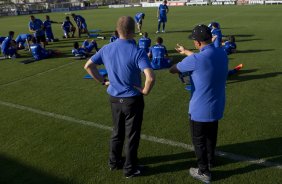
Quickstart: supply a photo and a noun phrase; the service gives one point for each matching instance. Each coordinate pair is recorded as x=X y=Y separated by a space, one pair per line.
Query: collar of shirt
x=211 y=45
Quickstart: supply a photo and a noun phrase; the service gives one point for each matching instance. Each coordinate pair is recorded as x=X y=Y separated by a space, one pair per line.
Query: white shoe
x=204 y=177
x=157 y=31
x=163 y=31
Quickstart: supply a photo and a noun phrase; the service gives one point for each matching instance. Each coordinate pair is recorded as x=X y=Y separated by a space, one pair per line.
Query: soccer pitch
x=55 y=126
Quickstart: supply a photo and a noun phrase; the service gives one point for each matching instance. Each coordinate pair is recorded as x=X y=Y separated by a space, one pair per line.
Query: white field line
x=37 y=74
x=154 y=139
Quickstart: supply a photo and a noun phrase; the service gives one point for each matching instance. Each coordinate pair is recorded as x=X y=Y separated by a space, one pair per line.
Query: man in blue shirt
x=216 y=34
x=144 y=42
x=229 y=46
x=9 y=49
x=38 y=52
x=208 y=70
x=68 y=27
x=210 y=25
x=23 y=40
x=126 y=93
x=159 y=55
x=36 y=26
x=138 y=19
x=162 y=11
x=48 y=28
x=81 y=24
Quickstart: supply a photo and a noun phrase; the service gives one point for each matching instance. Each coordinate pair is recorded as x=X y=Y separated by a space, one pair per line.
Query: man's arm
x=149 y=81
x=91 y=68
x=182 y=50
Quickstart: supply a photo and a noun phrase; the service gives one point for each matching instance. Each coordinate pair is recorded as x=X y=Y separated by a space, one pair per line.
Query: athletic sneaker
x=163 y=31
x=157 y=31
x=204 y=177
x=239 y=67
x=134 y=174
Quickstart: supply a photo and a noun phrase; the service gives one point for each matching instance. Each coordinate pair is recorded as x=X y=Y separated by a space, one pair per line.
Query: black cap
x=201 y=33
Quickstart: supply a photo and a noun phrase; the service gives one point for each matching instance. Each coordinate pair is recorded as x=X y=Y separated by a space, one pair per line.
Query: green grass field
x=37 y=147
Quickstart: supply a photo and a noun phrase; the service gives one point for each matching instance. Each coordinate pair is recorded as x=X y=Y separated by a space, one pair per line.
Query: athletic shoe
x=239 y=67
x=163 y=31
x=204 y=177
x=157 y=31
x=134 y=174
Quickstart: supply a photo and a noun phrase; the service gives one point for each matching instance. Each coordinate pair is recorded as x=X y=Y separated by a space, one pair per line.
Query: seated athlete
x=68 y=28
x=23 y=40
x=229 y=46
x=159 y=55
x=40 y=53
x=144 y=42
x=8 y=46
x=114 y=37
x=86 y=48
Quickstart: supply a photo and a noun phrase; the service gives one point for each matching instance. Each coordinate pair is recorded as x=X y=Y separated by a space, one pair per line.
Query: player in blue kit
x=162 y=11
x=210 y=25
x=23 y=40
x=48 y=29
x=8 y=47
x=229 y=46
x=216 y=34
x=36 y=26
x=144 y=42
x=86 y=48
x=114 y=37
x=68 y=27
x=159 y=55
x=138 y=19
x=40 y=53
x=81 y=24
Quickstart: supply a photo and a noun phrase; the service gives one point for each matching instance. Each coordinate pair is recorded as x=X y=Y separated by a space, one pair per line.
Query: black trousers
x=204 y=137
x=127 y=114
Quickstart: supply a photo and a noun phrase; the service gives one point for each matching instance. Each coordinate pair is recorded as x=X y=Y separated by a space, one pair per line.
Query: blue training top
x=48 y=26
x=124 y=63
x=218 y=34
x=21 y=38
x=138 y=17
x=229 y=47
x=208 y=70
x=6 y=44
x=144 y=43
x=162 y=10
x=38 y=52
x=37 y=26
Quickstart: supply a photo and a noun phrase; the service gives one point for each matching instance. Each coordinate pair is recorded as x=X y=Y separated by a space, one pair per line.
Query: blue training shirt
x=158 y=52
x=229 y=47
x=37 y=26
x=218 y=40
x=38 y=52
x=144 y=43
x=6 y=44
x=48 y=26
x=208 y=69
x=124 y=63
x=162 y=10
x=21 y=38
x=138 y=17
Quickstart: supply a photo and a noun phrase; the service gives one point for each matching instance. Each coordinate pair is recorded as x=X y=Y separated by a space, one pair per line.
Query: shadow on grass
x=268 y=148
x=247 y=40
x=168 y=163
x=241 y=78
x=179 y=31
x=253 y=51
x=241 y=35
x=14 y=172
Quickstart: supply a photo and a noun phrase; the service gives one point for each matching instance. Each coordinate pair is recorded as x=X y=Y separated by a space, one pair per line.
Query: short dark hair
x=159 y=40
x=33 y=40
x=67 y=18
x=231 y=38
x=75 y=45
x=125 y=26
x=145 y=34
x=215 y=24
x=11 y=33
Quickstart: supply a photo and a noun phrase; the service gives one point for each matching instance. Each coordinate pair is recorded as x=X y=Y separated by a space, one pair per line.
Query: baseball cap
x=201 y=33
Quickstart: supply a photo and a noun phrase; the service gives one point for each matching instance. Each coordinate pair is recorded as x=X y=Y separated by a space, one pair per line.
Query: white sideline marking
x=145 y=137
x=37 y=74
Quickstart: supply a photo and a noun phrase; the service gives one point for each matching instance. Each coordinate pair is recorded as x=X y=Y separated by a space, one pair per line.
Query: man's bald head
x=126 y=27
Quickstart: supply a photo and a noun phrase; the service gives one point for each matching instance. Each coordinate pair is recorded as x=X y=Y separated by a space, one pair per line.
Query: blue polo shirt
x=218 y=40
x=144 y=43
x=124 y=63
x=37 y=26
x=208 y=70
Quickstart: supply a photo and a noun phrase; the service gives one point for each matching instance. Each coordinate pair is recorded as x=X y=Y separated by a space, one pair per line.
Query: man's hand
x=180 y=49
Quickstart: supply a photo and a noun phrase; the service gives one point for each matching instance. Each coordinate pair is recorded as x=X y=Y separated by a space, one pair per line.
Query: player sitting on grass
x=216 y=34
x=159 y=55
x=68 y=28
x=81 y=24
x=229 y=46
x=23 y=40
x=114 y=37
x=40 y=53
x=86 y=48
x=8 y=46
x=144 y=42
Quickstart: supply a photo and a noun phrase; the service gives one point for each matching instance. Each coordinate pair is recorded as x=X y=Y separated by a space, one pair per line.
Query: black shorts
x=41 y=38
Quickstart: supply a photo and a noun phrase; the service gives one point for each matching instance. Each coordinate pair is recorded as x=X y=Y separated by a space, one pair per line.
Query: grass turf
x=39 y=149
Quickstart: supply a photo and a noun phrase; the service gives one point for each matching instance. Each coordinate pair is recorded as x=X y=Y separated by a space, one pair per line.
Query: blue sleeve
x=29 y=25
x=97 y=58
x=143 y=60
x=188 y=64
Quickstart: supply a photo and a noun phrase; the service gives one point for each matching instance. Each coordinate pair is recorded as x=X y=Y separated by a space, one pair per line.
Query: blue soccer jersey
x=229 y=47
x=38 y=52
x=144 y=43
x=80 y=22
x=162 y=13
x=138 y=17
x=21 y=38
x=89 y=46
x=48 y=29
x=37 y=25
x=159 y=60
x=218 y=34
x=6 y=44
x=2 y=38
x=79 y=52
